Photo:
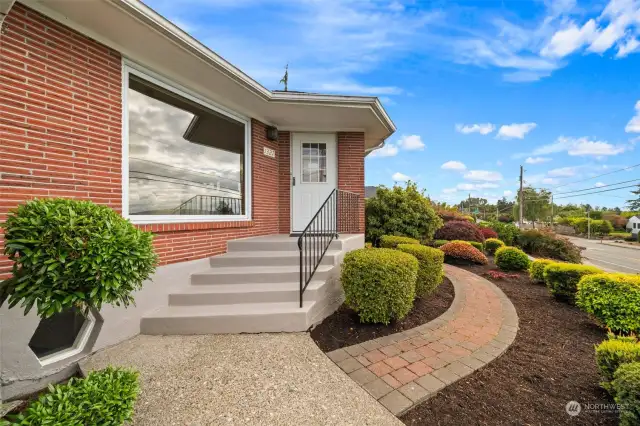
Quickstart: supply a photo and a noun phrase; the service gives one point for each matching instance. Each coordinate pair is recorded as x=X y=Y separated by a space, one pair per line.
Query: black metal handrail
x=339 y=213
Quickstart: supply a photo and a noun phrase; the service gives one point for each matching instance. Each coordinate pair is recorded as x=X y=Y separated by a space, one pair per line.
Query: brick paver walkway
x=403 y=369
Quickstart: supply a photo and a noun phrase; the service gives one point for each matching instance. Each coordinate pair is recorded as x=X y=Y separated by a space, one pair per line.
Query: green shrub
x=511 y=259
x=549 y=245
x=626 y=387
x=507 y=232
x=562 y=278
x=71 y=253
x=601 y=227
x=439 y=243
x=392 y=241
x=493 y=244
x=430 y=271
x=477 y=245
x=461 y=252
x=400 y=211
x=379 y=284
x=104 y=398
x=614 y=352
x=613 y=299
x=536 y=270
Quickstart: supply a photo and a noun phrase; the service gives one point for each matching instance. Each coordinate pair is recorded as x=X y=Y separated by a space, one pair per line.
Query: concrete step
x=254 y=274
x=236 y=318
x=272 y=243
x=267 y=258
x=229 y=294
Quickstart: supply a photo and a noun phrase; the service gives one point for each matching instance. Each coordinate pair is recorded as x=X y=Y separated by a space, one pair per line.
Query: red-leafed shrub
x=499 y=275
x=459 y=230
x=488 y=233
x=458 y=252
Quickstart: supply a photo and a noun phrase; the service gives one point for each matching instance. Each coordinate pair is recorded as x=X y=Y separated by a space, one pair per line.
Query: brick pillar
x=284 y=181
x=351 y=168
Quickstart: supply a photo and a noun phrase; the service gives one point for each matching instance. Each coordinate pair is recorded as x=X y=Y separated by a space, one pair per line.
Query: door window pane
x=314 y=162
x=184 y=159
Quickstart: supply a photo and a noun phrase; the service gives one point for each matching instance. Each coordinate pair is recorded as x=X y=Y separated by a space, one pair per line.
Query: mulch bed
x=550 y=363
x=343 y=327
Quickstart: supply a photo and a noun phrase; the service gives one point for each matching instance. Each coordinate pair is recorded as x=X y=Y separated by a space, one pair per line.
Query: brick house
x=108 y=101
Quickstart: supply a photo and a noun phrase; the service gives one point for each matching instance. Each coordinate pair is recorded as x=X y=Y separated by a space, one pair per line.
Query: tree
x=400 y=211
x=635 y=204
x=537 y=205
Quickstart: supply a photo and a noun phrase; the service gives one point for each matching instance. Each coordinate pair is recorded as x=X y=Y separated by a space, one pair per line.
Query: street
x=609 y=258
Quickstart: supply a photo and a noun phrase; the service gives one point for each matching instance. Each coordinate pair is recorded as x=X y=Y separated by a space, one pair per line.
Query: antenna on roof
x=285 y=79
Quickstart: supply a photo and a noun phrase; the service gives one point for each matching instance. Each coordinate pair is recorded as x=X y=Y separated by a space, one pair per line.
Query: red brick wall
x=60 y=133
x=284 y=164
x=351 y=168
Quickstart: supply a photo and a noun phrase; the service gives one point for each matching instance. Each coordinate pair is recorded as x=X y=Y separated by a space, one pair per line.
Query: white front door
x=314 y=175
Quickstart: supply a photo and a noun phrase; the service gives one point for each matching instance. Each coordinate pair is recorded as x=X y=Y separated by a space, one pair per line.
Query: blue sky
x=476 y=88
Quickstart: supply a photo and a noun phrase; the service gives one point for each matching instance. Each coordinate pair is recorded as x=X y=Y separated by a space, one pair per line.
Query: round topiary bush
x=562 y=278
x=461 y=252
x=430 y=271
x=536 y=270
x=392 y=241
x=511 y=259
x=613 y=299
x=379 y=284
x=626 y=390
x=459 y=230
x=614 y=352
x=71 y=253
x=488 y=233
x=493 y=244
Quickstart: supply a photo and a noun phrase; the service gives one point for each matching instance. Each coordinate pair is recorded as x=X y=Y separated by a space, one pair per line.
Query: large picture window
x=185 y=160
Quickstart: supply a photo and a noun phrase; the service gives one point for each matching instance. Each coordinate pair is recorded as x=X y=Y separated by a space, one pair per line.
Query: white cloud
x=550 y=181
x=471 y=187
x=483 y=175
x=562 y=172
x=411 y=143
x=450 y=190
x=483 y=129
x=599 y=184
x=570 y=39
x=629 y=46
x=537 y=160
x=453 y=165
x=633 y=126
x=400 y=177
x=388 y=150
x=515 y=130
x=583 y=147
x=507 y=193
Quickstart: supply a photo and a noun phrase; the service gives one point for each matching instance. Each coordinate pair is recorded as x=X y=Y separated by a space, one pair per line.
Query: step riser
x=293 y=296
x=262 y=323
x=274 y=277
x=252 y=245
x=225 y=261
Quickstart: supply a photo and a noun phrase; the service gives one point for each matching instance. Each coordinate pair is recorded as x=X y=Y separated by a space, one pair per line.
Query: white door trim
x=293 y=137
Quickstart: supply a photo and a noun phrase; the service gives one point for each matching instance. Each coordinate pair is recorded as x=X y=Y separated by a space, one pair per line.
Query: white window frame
x=131 y=68
x=78 y=345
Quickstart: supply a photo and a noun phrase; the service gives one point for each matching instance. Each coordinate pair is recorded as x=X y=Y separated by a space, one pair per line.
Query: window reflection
x=184 y=159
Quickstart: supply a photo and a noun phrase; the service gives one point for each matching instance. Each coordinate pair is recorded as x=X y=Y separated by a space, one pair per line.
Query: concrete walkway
x=403 y=369
x=259 y=379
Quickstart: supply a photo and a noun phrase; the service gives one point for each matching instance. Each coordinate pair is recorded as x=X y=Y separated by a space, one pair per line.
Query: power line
x=593 y=177
x=591 y=189
x=597 y=192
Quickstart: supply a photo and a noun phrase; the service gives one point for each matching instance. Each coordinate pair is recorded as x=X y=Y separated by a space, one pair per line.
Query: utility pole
x=469 y=204
x=552 y=210
x=521 y=197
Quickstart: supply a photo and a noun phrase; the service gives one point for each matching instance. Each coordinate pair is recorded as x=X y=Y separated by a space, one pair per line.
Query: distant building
x=633 y=225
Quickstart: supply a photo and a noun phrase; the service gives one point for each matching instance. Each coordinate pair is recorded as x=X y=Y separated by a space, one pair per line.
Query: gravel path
x=259 y=379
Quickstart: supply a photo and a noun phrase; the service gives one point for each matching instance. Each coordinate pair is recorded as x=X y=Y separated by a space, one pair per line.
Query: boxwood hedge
x=493 y=244
x=614 y=352
x=562 y=278
x=392 y=241
x=536 y=269
x=430 y=271
x=379 y=284
x=511 y=259
x=626 y=388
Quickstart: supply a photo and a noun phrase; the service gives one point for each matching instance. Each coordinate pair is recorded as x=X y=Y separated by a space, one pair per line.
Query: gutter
x=5 y=7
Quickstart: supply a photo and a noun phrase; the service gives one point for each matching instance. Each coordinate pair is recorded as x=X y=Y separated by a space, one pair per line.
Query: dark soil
x=343 y=327
x=550 y=363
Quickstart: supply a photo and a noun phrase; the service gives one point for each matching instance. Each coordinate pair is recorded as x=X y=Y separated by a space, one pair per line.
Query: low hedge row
x=626 y=389
x=379 y=284
x=562 y=278
x=104 y=398
x=430 y=271
x=392 y=241
x=536 y=270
